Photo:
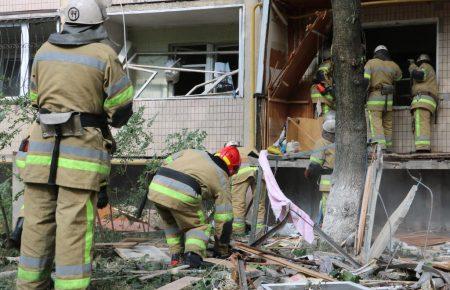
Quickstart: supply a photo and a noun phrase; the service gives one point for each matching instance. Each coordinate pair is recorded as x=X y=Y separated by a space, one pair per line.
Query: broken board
x=146 y=252
x=304 y=130
x=180 y=283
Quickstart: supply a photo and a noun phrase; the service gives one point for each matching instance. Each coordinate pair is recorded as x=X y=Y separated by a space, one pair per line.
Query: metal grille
x=12 y=47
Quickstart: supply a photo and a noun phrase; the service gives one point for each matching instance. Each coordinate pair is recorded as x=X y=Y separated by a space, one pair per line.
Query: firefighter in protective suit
x=80 y=89
x=244 y=179
x=322 y=88
x=380 y=74
x=322 y=161
x=424 y=104
x=177 y=190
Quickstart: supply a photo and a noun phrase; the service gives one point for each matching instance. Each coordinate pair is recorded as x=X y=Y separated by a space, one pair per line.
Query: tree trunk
x=341 y=217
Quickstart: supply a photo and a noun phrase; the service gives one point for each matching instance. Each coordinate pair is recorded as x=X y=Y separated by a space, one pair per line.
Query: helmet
x=232 y=143
x=85 y=11
x=380 y=47
x=329 y=124
x=326 y=53
x=230 y=155
x=423 y=57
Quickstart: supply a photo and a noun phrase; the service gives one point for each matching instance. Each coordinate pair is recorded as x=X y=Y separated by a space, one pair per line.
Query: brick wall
x=27 y=5
x=221 y=118
x=403 y=136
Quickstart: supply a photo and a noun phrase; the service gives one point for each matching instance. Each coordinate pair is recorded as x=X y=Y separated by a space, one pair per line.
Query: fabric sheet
x=283 y=206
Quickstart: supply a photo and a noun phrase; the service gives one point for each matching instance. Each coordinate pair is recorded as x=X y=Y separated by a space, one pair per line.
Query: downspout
x=252 y=106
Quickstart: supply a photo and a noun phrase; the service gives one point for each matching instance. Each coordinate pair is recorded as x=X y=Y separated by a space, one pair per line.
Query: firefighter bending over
x=177 y=190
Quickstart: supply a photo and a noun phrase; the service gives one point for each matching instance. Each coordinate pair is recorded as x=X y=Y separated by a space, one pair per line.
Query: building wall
x=403 y=137
x=7 y=6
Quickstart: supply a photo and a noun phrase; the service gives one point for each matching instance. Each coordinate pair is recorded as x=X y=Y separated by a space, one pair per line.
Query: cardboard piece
x=304 y=130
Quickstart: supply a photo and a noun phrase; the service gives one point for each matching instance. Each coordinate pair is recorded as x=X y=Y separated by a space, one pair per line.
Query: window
x=208 y=63
x=19 y=42
x=404 y=42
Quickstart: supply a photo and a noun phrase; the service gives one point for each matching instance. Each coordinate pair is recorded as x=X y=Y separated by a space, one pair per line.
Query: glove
x=103 y=199
x=307 y=173
x=222 y=251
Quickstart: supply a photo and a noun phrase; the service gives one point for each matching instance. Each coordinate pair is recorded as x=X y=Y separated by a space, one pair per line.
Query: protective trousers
x=324 y=187
x=422 y=130
x=59 y=226
x=185 y=231
x=238 y=198
x=380 y=124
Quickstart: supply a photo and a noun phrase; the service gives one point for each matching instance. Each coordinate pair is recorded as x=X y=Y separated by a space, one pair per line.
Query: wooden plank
x=256 y=201
x=282 y=262
x=373 y=198
x=304 y=130
x=158 y=273
x=364 y=205
x=180 y=283
x=220 y=262
x=116 y=245
x=392 y=225
x=442 y=265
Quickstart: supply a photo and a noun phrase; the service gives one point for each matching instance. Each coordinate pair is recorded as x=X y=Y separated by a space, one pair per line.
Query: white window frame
x=241 y=43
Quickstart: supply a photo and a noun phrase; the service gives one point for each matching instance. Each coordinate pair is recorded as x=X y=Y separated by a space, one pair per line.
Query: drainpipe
x=252 y=106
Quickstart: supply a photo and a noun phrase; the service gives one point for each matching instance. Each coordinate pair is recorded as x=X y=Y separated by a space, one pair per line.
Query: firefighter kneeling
x=177 y=190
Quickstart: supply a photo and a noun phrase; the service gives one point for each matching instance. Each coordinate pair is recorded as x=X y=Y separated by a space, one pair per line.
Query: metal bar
x=25 y=59
x=256 y=200
x=262 y=47
x=218 y=81
x=149 y=80
x=224 y=52
x=271 y=232
x=176 y=69
x=210 y=81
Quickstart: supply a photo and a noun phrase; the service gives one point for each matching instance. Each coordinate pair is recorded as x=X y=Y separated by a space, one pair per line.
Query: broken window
x=404 y=42
x=208 y=63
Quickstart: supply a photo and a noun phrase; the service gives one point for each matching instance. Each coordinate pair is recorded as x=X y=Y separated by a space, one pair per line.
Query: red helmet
x=230 y=155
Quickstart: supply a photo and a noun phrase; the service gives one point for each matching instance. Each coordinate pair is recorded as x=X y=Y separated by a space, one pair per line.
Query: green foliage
x=16 y=114
x=134 y=139
x=5 y=197
x=185 y=140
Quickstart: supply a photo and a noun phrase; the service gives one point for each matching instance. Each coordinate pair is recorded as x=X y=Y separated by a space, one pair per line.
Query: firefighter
x=322 y=94
x=380 y=73
x=244 y=179
x=424 y=104
x=322 y=161
x=80 y=89
x=177 y=190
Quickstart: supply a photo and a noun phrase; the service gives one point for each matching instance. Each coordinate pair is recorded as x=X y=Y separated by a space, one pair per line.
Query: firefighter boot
x=193 y=260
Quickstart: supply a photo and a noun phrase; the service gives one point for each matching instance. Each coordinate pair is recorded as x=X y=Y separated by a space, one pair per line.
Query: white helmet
x=380 y=47
x=423 y=57
x=232 y=143
x=88 y=12
x=329 y=124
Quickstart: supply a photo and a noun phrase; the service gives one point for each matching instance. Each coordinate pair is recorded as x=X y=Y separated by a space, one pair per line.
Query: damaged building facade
x=239 y=69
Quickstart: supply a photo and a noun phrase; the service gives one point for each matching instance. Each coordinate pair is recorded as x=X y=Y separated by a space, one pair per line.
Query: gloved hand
x=103 y=199
x=222 y=251
x=307 y=173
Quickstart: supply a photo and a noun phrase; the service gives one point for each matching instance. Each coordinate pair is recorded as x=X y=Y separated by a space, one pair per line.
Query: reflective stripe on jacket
x=86 y=79
x=214 y=183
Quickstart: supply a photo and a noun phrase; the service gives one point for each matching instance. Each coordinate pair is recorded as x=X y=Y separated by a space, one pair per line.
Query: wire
x=124 y=25
x=419 y=182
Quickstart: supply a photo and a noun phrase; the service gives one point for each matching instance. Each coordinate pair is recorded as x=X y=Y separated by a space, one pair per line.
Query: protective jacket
x=324 y=156
x=175 y=187
x=246 y=170
x=381 y=73
x=66 y=79
x=425 y=88
x=324 y=77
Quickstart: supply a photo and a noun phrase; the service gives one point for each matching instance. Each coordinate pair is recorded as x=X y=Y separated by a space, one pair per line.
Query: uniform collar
x=76 y=35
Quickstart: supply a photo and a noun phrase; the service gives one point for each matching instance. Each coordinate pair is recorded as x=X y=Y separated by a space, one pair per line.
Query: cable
x=419 y=182
x=125 y=38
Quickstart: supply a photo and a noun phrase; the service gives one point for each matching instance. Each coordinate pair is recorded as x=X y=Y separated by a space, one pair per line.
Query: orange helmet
x=230 y=155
